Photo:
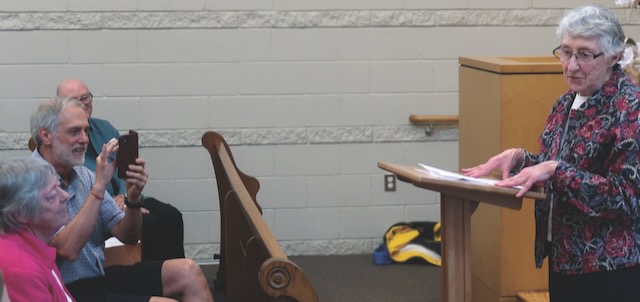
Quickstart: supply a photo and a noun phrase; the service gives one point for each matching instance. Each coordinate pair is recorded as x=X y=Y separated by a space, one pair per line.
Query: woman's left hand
x=136 y=179
x=530 y=176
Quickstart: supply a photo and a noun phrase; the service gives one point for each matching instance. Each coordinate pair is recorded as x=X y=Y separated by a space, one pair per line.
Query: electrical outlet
x=389 y=182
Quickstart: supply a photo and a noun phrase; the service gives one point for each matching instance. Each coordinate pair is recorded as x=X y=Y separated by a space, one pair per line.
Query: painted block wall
x=310 y=94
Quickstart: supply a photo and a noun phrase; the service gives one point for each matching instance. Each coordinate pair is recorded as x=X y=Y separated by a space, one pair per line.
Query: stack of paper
x=435 y=172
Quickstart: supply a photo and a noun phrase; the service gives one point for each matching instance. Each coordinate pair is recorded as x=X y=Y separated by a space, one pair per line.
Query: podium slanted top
x=515 y=65
x=476 y=190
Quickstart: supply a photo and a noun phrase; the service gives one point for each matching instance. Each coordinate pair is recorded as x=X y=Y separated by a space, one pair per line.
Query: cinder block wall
x=311 y=94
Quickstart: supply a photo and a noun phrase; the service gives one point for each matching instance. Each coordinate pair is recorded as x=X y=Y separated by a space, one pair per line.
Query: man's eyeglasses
x=86 y=99
x=582 y=56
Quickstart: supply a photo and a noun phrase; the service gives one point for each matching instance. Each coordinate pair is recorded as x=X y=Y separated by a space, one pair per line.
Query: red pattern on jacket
x=595 y=188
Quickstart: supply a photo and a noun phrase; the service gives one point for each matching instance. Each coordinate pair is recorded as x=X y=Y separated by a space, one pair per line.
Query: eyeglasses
x=582 y=56
x=86 y=99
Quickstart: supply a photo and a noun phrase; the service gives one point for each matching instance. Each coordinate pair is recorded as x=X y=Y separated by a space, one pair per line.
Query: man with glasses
x=589 y=165
x=162 y=224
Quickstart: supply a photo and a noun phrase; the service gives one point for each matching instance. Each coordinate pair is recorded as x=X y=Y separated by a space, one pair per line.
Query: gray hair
x=21 y=181
x=593 y=21
x=47 y=116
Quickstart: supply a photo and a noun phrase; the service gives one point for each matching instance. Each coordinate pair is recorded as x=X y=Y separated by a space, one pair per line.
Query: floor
x=352 y=278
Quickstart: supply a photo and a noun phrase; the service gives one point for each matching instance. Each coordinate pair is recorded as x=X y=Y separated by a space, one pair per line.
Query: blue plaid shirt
x=90 y=262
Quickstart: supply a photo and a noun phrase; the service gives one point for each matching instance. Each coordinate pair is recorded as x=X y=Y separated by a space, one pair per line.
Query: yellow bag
x=414 y=240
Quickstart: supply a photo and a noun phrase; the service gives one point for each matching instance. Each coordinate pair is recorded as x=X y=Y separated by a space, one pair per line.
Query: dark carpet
x=353 y=278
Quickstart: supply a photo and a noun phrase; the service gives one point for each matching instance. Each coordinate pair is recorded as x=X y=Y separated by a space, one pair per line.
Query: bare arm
x=128 y=229
x=70 y=240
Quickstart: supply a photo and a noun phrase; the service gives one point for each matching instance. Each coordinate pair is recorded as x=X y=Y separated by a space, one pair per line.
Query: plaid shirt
x=595 y=188
x=90 y=262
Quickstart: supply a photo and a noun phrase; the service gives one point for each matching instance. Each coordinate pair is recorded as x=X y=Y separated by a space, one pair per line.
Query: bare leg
x=184 y=277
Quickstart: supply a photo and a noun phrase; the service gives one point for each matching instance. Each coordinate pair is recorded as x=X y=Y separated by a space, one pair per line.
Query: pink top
x=29 y=269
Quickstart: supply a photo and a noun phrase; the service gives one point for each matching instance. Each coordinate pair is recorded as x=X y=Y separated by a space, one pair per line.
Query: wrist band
x=96 y=195
x=136 y=205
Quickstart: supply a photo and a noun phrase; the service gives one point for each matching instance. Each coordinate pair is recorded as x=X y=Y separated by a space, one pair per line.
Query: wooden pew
x=253 y=266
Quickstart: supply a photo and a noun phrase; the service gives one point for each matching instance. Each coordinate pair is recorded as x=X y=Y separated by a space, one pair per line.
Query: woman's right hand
x=504 y=162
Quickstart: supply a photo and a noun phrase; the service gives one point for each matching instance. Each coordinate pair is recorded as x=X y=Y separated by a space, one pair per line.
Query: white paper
x=435 y=172
x=112 y=242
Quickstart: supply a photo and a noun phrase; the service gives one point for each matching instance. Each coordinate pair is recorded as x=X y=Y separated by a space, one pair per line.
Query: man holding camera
x=59 y=128
x=162 y=226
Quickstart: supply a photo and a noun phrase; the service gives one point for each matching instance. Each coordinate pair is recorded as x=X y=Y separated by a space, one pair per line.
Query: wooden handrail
x=429 y=120
x=418 y=119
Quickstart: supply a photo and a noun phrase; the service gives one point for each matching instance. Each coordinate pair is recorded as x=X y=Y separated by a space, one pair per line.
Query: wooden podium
x=504 y=103
x=458 y=199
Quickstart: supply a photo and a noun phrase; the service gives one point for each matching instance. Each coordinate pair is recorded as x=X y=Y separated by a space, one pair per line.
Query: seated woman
x=32 y=209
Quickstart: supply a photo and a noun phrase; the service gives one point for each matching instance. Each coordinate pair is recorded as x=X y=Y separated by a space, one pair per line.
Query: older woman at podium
x=589 y=166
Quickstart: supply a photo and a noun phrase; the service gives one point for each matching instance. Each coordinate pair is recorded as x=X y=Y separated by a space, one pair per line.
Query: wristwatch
x=136 y=205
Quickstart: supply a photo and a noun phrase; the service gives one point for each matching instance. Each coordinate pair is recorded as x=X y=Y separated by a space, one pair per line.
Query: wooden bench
x=253 y=266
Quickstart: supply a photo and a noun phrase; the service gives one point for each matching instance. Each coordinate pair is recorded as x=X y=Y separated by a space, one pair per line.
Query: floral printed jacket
x=595 y=188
